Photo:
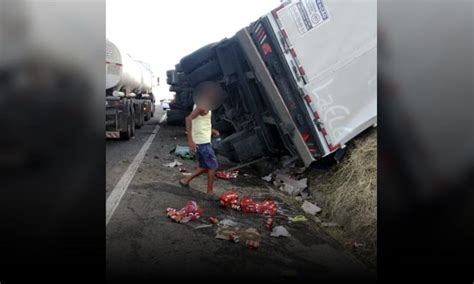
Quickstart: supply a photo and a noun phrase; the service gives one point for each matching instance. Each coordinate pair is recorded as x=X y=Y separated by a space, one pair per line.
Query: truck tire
x=208 y=71
x=141 y=122
x=133 y=129
x=197 y=58
x=126 y=135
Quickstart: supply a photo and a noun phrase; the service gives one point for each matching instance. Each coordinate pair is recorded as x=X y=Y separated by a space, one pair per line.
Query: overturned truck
x=301 y=81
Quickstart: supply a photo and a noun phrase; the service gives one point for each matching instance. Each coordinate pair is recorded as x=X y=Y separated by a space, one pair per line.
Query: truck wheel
x=197 y=58
x=127 y=134
x=132 y=128
x=206 y=72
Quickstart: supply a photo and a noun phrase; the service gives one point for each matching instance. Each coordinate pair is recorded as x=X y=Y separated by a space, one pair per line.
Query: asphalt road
x=142 y=243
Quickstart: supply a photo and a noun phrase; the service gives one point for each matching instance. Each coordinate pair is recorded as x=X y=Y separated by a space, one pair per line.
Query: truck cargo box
x=329 y=49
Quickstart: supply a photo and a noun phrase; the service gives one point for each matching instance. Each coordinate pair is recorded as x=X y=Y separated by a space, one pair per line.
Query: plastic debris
x=268 y=178
x=182 y=170
x=189 y=212
x=329 y=224
x=280 y=231
x=227 y=223
x=227 y=175
x=297 y=218
x=250 y=236
x=182 y=151
x=252 y=244
x=186 y=174
x=305 y=193
x=173 y=164
x=289 y=185
x=202 y=227
x=310 y=208
x=353 y=244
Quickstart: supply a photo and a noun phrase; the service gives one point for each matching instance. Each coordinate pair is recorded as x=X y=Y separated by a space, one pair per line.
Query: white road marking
x=121 y=187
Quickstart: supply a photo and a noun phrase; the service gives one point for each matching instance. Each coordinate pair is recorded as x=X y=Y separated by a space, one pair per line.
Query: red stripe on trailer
x=257 y=28
x=334 y=148
x=301 y=71
x=284 y=33
x=293 y=52
x=324 y=131
x=307 y=99
x=316 y=115
x=274 y=11
x=260 y=34
x=305 y=137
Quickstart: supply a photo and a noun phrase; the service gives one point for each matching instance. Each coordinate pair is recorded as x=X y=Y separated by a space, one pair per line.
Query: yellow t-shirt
x=202 y=129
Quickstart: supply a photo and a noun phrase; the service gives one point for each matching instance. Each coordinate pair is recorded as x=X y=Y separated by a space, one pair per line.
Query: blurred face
x=209 y=98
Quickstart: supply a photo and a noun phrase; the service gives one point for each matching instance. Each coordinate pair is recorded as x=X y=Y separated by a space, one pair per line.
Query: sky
x=161 y=32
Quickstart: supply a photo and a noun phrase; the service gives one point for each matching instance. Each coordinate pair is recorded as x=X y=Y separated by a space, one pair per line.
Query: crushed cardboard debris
x=202 y=227
x=233 y=233
x=173 y=164
x=280 y=231
x=329 y=224
x=297 y=218
x=227 y=223
x=289 y=185
x=267 y=178
x=182 y=151
x=310 y=208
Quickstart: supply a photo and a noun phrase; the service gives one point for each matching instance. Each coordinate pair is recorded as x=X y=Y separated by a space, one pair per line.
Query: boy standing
x=199 y=131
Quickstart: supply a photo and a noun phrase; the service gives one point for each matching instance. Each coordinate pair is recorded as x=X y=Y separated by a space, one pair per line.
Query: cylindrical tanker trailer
x=146 y=88
x=128 y=97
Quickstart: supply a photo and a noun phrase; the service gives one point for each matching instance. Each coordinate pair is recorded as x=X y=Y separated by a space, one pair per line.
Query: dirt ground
x=144 y=244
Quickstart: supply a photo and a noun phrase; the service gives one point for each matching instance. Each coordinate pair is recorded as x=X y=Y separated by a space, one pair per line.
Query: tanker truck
x=129 y=99
x=147 y=97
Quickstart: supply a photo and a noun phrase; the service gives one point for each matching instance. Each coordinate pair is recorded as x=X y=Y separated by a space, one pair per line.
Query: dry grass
x=348 y=195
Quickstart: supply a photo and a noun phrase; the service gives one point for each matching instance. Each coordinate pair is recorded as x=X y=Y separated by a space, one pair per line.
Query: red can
x=269 y=224
x=213 y=220
x=252 y=244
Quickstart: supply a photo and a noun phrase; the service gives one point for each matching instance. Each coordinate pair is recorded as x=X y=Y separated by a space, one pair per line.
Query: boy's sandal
x=183 y=184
